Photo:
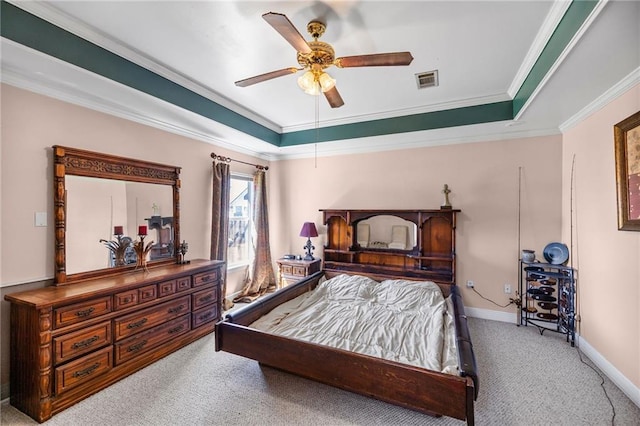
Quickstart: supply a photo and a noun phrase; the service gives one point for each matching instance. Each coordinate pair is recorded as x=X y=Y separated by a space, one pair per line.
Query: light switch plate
x=41 y=219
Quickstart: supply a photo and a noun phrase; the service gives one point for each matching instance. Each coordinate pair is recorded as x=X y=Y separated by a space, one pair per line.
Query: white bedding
x=405 y=321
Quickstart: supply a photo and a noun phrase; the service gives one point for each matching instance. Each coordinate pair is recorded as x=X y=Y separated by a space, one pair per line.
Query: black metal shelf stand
x=548 y=298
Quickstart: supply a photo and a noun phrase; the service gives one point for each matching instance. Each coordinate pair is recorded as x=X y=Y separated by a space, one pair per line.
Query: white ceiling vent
x=427 y=79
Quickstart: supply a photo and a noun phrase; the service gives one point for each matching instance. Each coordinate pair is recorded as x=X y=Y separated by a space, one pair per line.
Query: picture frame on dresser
x=627 y=155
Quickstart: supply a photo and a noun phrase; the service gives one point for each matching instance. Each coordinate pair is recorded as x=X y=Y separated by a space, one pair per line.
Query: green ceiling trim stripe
x=575 y=15
x=31 y=31
x=498 y=111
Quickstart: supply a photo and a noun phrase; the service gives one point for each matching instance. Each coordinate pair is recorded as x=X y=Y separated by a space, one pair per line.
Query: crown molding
x=50 y=13
x=557 y=11
x=64 y=92
x=485 y=132
x=572 y=43
x=402 y=112
x=412 y=140
x=632 y=79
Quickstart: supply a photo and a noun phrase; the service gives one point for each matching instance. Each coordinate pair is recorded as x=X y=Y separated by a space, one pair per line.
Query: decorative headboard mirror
x=101 y=200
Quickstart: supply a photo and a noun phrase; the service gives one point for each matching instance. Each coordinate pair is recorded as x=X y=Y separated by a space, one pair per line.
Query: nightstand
x=291 y=270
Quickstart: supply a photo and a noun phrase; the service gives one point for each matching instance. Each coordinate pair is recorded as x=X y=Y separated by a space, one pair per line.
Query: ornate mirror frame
x=72 y=161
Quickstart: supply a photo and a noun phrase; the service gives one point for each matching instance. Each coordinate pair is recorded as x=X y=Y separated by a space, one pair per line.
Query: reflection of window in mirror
x=240 y=250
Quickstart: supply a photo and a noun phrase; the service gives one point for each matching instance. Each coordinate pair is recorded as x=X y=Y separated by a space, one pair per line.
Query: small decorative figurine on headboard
x=446 y=191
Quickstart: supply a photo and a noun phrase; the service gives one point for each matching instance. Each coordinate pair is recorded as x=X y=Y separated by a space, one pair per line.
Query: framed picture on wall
x=627 y=150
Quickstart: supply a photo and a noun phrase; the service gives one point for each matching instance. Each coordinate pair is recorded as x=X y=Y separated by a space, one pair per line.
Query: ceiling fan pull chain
x=317 y=120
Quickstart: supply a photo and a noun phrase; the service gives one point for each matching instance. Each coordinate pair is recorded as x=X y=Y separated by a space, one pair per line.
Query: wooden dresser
x=68 y=342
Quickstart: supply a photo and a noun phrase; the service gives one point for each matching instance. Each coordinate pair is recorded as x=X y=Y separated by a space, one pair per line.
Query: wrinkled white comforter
x=405 y=321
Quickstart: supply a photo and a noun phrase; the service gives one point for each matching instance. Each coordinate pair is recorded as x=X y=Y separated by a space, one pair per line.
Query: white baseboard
x=625 y=385
x=612 y=373
x=491 y=315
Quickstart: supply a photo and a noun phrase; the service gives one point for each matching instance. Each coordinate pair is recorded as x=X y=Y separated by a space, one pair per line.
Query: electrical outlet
x=507 y=288
x=470 y=284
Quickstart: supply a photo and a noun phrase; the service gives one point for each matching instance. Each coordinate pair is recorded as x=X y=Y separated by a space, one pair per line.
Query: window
x=240 y=249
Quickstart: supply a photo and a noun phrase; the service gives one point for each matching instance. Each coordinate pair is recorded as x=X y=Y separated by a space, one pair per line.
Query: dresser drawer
x=150 y=317
x=204 y=297
x=147 y=293
x=204 y=278
x=299 y=271
x=80 y=342
x=125 y=299
x=286 y=269
x=142 y=342
x=204 y=315
x=72 y=314
x=183 y=283
x=83 y=370
x=166 y=288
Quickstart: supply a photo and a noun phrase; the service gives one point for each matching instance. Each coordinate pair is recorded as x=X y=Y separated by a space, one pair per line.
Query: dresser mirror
x=99 y=200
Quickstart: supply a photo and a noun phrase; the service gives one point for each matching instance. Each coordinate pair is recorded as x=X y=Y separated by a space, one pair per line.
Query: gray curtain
x=220 y=220
x=260 y=277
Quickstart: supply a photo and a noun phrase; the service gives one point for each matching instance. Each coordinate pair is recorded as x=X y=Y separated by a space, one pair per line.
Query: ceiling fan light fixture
x=307 y=82
x=326 y=82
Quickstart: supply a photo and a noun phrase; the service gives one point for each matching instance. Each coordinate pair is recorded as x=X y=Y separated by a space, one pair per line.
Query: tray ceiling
x=506 y=68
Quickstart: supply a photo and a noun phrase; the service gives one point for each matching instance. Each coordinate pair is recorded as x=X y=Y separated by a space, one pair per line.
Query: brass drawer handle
x=137 y=346
x=137 y=323
x=126 y=300
x=206 y=278
x=176 y=309
x=176 y=329
x=86 y=371
x=206 y=298
x=205 y=316
x=85 y=343
x=85 y=313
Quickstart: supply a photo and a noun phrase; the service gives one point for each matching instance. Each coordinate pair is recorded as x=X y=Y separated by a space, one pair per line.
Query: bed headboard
x=430 y=253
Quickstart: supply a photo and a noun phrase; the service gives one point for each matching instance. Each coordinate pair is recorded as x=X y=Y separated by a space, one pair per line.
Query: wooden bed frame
x=427 y=391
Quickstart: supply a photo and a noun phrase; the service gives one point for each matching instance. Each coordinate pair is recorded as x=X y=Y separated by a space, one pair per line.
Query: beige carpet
x=526 y=379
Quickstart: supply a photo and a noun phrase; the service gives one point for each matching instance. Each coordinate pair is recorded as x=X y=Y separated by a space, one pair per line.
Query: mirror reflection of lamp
x=309 y=230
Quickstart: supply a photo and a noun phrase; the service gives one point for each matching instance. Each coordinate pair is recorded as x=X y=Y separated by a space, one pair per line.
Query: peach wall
x=483 y=178
x=31 y=124
x=608 y=260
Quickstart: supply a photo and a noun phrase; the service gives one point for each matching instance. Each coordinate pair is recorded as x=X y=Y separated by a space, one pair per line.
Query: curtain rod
x=228 y=160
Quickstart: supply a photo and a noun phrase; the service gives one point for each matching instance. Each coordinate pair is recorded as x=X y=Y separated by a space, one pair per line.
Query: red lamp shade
x=309 y=230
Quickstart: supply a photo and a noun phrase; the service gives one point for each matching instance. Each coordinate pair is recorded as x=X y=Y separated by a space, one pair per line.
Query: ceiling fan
x=315 y=56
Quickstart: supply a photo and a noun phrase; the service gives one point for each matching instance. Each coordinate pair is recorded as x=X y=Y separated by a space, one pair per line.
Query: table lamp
x=309 y=230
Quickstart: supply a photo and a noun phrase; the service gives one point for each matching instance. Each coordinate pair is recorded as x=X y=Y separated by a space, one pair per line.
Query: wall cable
x=487 y=299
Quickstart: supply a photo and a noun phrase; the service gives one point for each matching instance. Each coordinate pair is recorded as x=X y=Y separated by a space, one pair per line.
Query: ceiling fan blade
x=334 y=98
x=375 y=60
x=283 y=25
x=267 y=76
